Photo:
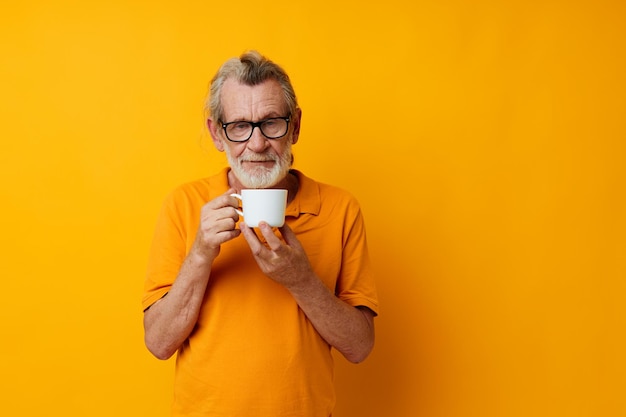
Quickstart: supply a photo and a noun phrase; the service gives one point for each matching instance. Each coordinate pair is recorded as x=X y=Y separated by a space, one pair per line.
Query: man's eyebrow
x=270 y=115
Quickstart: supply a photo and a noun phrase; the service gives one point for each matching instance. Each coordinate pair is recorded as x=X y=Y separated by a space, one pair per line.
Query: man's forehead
x=239 y=97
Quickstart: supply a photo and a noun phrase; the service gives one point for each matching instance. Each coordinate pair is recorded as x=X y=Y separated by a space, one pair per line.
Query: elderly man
x=253 y=314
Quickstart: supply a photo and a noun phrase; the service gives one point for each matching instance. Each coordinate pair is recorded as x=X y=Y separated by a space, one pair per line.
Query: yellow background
x=484 y=140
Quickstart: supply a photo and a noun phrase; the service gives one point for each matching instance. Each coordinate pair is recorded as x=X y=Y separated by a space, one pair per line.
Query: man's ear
x=215 y=134
x=295 y=122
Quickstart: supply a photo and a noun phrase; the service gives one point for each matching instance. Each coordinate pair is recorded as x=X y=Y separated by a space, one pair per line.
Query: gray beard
x=261 y=177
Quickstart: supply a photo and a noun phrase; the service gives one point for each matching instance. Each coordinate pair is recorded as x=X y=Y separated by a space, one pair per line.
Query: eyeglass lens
x=271 y=128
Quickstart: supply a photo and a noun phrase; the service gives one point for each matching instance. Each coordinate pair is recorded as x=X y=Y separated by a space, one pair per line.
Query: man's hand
x=284 y=262
x=218 y=219
x=349 y=329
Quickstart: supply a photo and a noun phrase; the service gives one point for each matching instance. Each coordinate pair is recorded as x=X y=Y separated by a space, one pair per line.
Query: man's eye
x=241 y=126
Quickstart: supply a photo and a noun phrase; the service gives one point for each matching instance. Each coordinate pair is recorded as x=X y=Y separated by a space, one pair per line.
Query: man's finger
x=272 y=240
x=253 y=241
x=224 y=200
x=289 y=236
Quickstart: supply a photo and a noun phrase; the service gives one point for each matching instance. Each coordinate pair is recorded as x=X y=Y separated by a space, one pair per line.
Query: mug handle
x=237 y=196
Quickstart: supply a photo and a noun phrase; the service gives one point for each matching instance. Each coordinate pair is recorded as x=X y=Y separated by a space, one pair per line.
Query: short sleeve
x=167 y=252
x=356 y=284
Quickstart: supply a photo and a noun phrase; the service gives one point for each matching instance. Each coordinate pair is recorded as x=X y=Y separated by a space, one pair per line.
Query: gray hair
x=251 y=68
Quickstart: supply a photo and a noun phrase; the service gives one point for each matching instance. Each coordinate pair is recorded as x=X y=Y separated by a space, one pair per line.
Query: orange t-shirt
x=253 y=352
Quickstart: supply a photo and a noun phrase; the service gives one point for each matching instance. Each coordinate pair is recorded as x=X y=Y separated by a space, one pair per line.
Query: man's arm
x=349 y=329
x=169 y=321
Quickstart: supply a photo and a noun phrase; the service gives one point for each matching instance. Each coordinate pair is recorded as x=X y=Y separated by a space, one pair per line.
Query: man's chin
x=256 y=171
x=254 y=166
x=257 y=178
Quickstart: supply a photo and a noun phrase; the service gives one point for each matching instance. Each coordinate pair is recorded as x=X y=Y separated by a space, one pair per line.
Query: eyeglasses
x=241 y=131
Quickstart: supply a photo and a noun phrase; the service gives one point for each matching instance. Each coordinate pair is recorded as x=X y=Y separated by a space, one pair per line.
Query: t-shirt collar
x=307 y=199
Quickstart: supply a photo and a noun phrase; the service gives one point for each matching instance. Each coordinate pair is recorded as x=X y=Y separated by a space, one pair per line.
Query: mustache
x=258 y=157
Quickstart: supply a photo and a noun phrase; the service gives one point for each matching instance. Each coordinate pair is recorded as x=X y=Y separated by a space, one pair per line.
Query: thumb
x=289 y=236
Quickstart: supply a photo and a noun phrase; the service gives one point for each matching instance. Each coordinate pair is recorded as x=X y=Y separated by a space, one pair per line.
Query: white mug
x=266 y=205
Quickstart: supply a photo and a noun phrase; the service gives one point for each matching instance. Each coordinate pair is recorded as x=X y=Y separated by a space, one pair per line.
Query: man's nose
x=257 y=142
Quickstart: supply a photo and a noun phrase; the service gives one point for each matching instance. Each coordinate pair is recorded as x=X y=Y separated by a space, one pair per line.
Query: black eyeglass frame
x=256 y=124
